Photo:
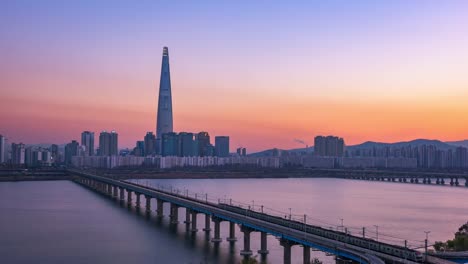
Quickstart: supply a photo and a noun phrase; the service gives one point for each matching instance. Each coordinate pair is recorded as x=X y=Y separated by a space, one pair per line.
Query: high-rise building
x=28 y=157
x=150 y=144
x=114 y=143
x=108 y=143
x=329 y=146
x=188 y=147
x=54 y=151
x=170 y=144
x=203 y=139
x=2 y=149
x=222 y=146
x=18 y=153
x=87 y=140
x=139 y=149
x=164 y=123
x=71 y=149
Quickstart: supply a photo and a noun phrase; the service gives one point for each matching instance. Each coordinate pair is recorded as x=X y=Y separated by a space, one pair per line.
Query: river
x=60 y=221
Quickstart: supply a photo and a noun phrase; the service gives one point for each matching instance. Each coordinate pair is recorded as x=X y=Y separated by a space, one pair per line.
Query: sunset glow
x=396 y=74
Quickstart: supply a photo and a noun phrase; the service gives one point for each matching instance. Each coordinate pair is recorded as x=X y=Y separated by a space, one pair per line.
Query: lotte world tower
x=164 y=120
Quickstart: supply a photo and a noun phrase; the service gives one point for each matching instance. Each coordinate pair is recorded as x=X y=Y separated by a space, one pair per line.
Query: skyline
x=362 y=71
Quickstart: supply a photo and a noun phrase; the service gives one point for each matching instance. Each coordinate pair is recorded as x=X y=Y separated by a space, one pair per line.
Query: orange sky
x=263 y=75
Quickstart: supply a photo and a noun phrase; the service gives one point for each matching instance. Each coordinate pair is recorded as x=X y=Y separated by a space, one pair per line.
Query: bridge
x=290 y=232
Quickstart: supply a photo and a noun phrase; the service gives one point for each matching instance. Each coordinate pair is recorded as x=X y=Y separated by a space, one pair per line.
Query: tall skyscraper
x=204 y=145
x=187 y=145
x=87 y=140
x=17 y=153
x=164 y=117
x=2 y=149
x=71 y=149
x=150 y=144
x=108 y=143
x=222 y=146
x=170 y=144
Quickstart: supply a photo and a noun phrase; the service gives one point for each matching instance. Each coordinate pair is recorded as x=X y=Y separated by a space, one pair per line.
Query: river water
x=62 y=222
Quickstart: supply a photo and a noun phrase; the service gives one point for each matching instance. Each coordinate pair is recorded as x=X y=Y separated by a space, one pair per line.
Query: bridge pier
x=115 y=192
x=286 y=244
x=246 y=252
x=207 y=223
x=194 y=222
x=109 y=190
x=456 y=182
x=174 y=216
x=263 y=244
x=466 y=182
x=232 y=232
x=437 y=181
x=129 y=198
x=451 y=182
x=137 y=200
x=122 y=195
x=187 y=216
x=429 y=181
x=217 y=237
x=306 y=254
x=148 y=204
x=160 y=208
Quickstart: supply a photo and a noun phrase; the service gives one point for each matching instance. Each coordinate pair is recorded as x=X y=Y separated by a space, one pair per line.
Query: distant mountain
x=461 y=143
x=417 y=142
x=270 y=152
x=371 y=144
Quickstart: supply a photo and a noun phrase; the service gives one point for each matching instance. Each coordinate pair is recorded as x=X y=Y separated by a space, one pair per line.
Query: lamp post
x=342 y=226
x=425 y=244
x=289 y=213
x=377 y=232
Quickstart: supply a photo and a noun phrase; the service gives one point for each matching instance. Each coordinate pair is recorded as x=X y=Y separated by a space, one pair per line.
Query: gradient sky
x=262 y=72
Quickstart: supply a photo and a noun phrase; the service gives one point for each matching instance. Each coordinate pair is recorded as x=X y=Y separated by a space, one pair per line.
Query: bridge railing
x=376 y=235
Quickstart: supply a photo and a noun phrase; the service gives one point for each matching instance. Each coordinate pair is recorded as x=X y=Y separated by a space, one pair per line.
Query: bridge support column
x=148 y=204
x=194 y=222
x=174 y=216
x=306 y=255
x=122 y=195
x=263 y=244
x=109 y=190
x=246 y=252
x=217 y=224
x=286 y=244
x=129 y=198
x=456 y=182
x=232 y=232
x=160 y=208
x=428 y=180
x=466 y=182
x=207 y=223
x=187 y=216
x=451 y=182
x=137 y=201
x=115 y=193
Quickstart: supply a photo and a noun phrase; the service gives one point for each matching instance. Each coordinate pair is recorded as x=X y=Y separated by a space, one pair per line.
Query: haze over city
x=263 y=73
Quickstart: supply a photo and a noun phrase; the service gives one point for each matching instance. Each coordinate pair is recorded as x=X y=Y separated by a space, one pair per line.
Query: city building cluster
x=168 y=149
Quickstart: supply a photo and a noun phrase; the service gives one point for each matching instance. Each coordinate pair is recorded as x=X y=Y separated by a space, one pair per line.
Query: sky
x=263 y=72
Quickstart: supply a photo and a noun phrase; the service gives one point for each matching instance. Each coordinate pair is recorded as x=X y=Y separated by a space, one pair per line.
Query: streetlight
x=289 y=213
x=253 y=205
x=342 y=226
x=425 y=243
x=377 y=232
